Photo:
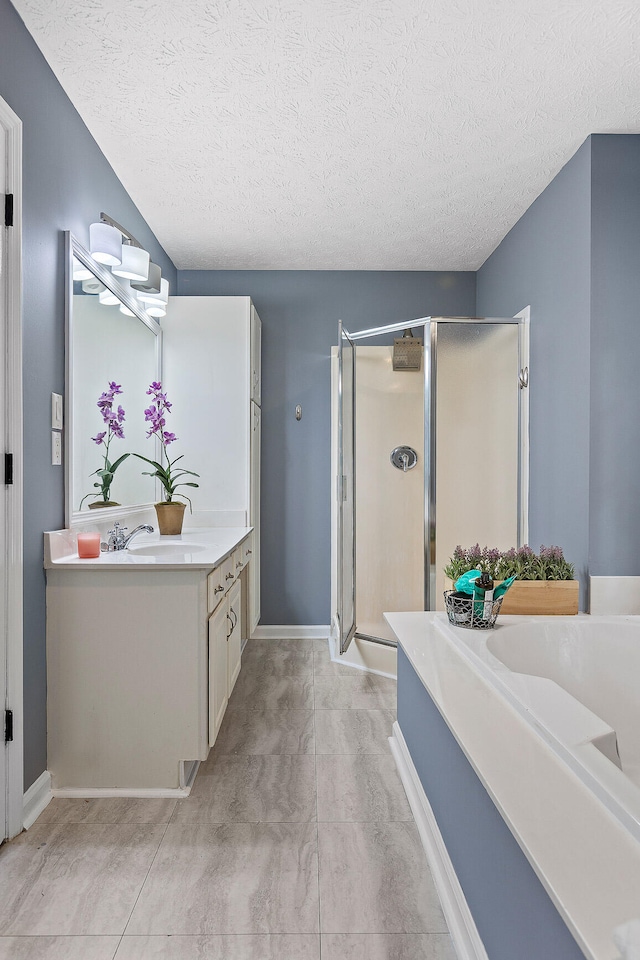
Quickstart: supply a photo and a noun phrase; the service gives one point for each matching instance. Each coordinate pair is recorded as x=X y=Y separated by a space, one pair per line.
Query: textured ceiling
x=340 y=134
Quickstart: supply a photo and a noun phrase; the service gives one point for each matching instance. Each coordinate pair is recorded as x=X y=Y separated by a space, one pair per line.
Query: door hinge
x=8 y=210
x=8 y=468
x=8 y=726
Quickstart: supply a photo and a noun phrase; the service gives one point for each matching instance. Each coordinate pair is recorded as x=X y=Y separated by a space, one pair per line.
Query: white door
x=3 y=506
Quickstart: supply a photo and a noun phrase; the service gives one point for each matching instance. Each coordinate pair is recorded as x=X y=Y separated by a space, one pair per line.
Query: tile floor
x=297 y=842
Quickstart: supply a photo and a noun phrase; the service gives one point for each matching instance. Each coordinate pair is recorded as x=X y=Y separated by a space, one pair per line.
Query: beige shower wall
x=389 y=503
x=476 y=440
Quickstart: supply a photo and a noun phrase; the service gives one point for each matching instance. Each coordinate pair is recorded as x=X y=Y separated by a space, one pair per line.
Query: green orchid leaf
x=114 y=466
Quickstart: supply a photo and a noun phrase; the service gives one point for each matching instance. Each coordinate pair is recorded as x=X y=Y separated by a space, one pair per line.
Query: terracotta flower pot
x=170 y=517
x=98 y=504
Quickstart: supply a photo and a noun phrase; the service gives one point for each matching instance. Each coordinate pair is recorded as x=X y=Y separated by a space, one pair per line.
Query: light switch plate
x=56 y=411
x=56 y=448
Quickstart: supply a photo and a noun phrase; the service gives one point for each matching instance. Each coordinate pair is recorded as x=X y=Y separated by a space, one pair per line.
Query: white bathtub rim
x=620 y=793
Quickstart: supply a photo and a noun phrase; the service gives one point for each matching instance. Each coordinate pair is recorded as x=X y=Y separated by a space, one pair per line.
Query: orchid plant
x=169 y=476
x=113 y=420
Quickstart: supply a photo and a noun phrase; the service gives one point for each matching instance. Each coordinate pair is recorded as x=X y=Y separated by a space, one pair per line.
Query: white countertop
x=204 y=548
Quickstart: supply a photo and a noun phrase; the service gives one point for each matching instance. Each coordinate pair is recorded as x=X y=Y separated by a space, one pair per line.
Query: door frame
x=12 y=698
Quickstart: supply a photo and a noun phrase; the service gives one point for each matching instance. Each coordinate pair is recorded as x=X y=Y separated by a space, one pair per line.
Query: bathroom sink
x=174 y=549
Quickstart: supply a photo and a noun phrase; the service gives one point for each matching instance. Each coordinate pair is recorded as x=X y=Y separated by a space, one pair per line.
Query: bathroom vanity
x=143 y=650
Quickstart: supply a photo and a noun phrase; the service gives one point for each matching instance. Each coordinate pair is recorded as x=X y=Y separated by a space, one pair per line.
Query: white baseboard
x=288 y=632
x=464 y=933
x=36 y=799
x=142 y=793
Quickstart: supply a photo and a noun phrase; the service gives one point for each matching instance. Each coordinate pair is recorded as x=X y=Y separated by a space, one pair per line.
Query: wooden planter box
x=542 y=598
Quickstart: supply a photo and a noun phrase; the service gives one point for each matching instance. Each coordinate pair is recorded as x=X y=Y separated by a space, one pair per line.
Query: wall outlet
x=56 y=449
x=56 y=411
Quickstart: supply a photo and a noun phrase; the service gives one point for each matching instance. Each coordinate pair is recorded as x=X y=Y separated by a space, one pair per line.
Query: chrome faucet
x=117 y=539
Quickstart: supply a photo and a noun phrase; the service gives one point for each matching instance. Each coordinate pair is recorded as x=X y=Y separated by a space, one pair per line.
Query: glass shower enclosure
x=429 y=454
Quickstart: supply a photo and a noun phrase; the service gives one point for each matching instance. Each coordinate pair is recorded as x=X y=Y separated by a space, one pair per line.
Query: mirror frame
x=73 y=248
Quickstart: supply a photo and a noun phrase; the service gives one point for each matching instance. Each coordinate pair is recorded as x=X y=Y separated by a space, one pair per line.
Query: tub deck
x=548 y=762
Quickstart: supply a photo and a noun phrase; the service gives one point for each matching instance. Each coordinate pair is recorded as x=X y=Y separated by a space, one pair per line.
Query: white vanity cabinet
x=142 y=656
x=212 y=375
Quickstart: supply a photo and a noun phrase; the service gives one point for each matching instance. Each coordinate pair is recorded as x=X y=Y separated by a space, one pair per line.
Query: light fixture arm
x=105 y=218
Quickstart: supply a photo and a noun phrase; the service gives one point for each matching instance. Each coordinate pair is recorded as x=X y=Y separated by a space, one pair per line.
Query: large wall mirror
x=106 y=345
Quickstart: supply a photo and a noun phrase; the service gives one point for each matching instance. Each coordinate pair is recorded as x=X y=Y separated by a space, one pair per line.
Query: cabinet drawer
x=247 y=549
x=215 y=588
x=238 y=561
x=219 y=581
x=229 y=571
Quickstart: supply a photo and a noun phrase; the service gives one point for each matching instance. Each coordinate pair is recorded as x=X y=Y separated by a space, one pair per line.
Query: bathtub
x=547 y=713
x=596 y=660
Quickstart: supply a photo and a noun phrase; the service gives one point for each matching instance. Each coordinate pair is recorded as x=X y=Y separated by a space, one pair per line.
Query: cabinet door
x=256 y=363
x=219 y=629
x=234 y=643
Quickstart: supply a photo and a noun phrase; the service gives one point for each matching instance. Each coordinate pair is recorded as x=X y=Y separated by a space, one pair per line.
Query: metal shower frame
x=430 y=340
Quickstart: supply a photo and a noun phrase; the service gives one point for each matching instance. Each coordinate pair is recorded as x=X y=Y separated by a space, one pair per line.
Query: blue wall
x=545 y=261
x=574 y=257
x=511 y=909
x=614 y=518
x=66 y=183
x=300 y=312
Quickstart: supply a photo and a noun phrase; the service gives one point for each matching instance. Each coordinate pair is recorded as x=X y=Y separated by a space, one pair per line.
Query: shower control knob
x=404 y=458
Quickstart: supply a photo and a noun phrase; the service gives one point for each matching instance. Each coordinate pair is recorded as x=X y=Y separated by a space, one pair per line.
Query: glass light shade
x=135 y=263
x=156 y=309
x=105 y=244
x=93 y=286
x=108 y=299
x=161 y=298
x=152 y=283
x=80 y=272
x=125 y=309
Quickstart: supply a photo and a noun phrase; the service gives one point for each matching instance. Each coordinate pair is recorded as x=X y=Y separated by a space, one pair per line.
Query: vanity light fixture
x=108 y=299
x=93 y=286
x=113 y=246
x=135 y=263
x=155 y=303
x=152 y=283
x=80 y=272
x=156 y=310
x=105 y=243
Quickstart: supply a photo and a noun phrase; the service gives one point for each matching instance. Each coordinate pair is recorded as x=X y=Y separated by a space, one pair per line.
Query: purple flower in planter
x=113 y=420
x=155 y=416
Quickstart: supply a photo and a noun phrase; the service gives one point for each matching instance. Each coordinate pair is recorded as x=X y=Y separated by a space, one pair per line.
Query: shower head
x=407 y=352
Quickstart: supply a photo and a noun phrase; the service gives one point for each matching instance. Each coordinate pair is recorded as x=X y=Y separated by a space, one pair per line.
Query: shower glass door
x=464 y=418
x=346 y=489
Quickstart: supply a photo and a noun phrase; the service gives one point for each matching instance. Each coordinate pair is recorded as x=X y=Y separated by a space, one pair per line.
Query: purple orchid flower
x=113 y=420
x=169 y=475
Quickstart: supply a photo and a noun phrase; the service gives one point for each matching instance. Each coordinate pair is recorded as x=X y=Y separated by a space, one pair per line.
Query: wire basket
x=464 y=611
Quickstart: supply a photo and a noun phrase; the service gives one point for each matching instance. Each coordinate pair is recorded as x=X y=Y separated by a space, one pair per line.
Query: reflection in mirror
x=105 y=345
